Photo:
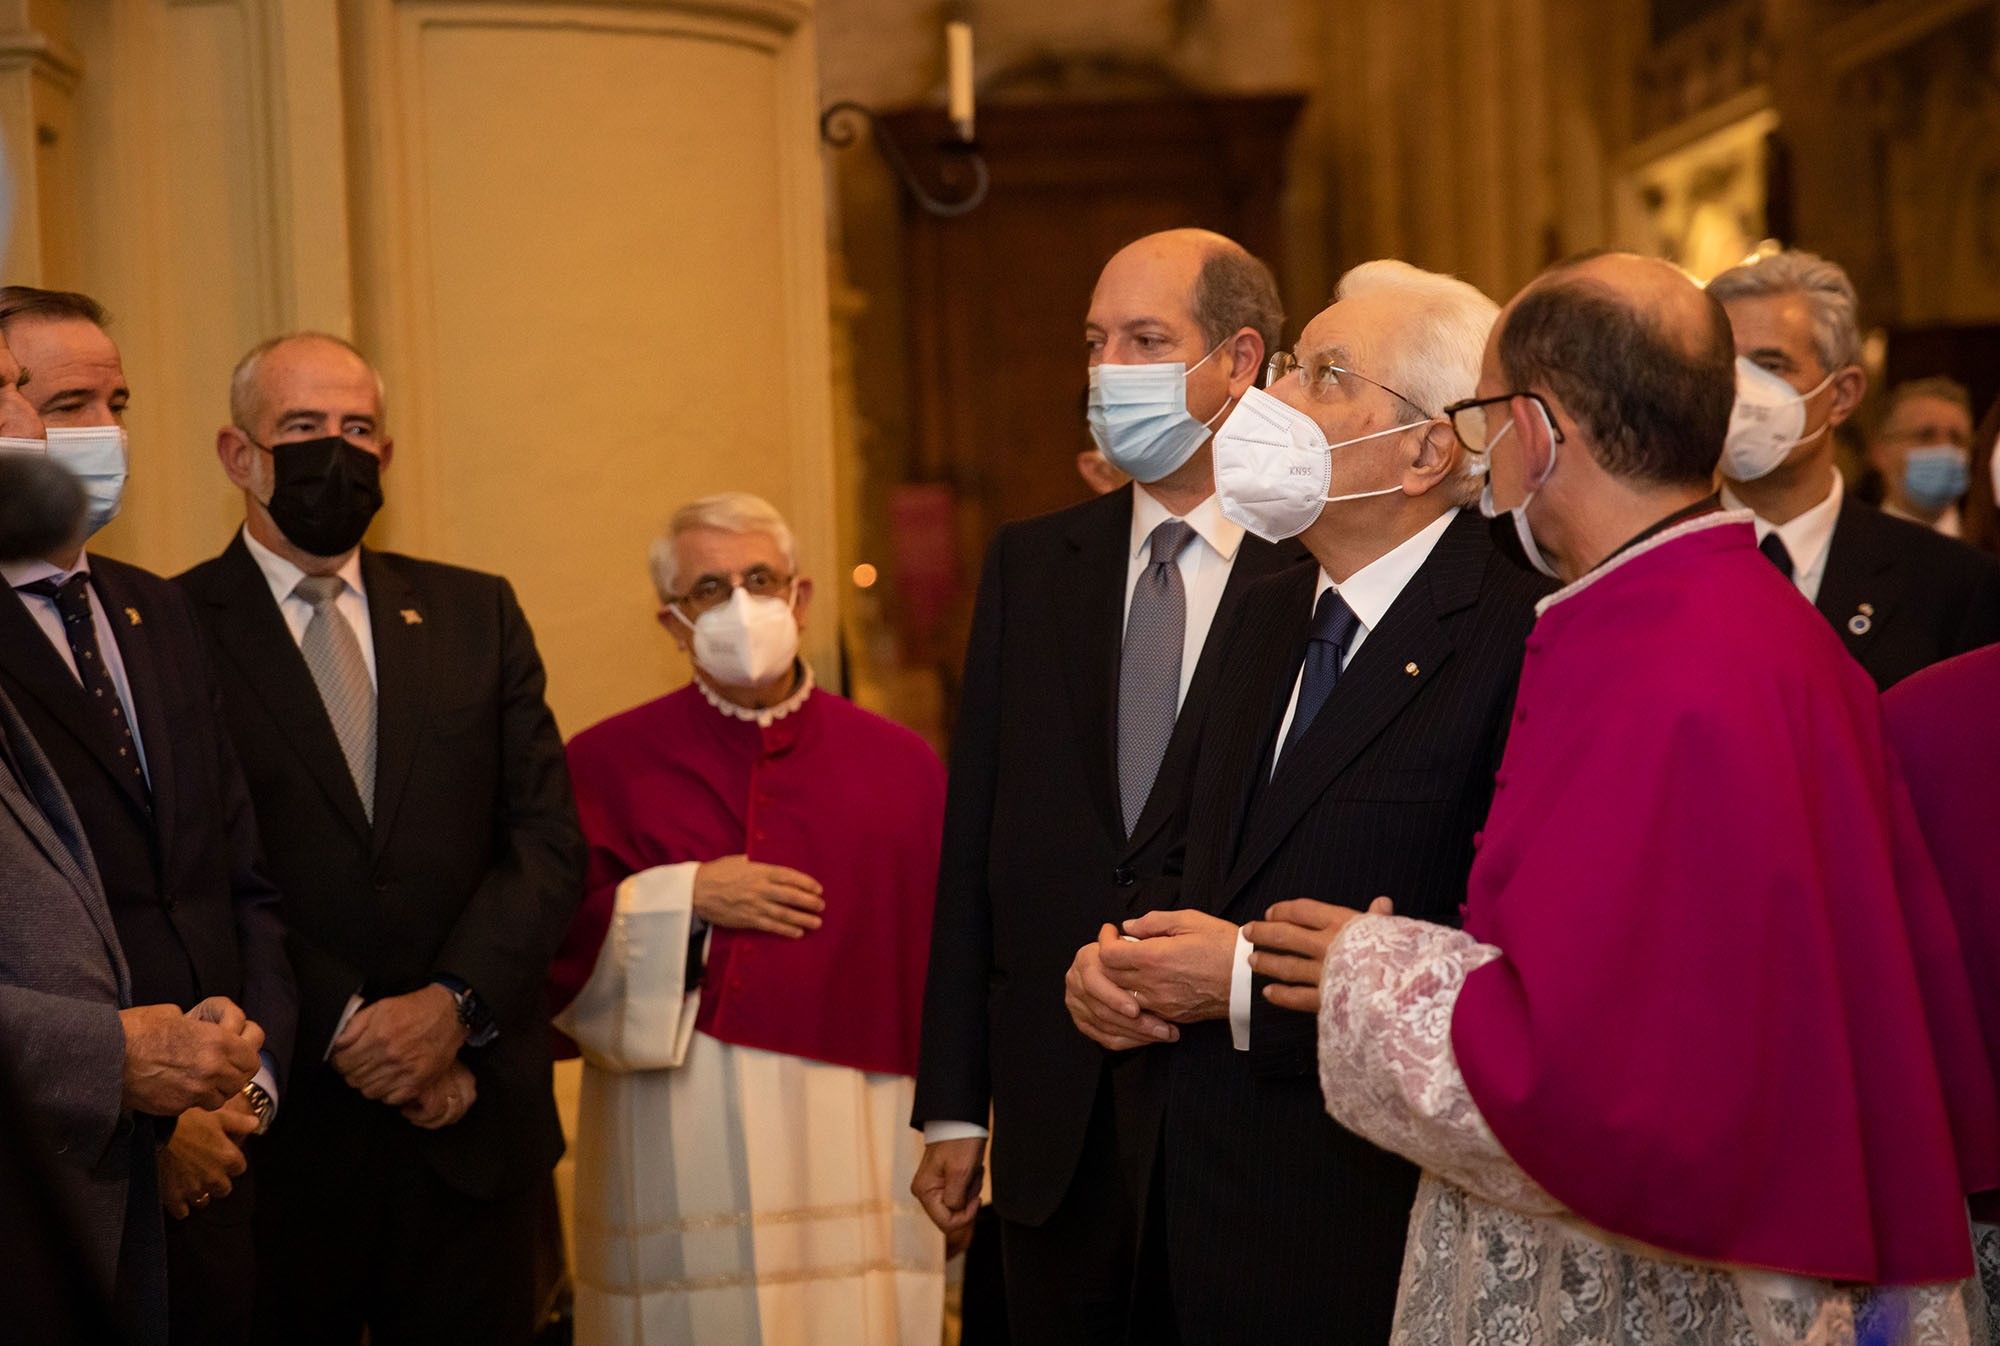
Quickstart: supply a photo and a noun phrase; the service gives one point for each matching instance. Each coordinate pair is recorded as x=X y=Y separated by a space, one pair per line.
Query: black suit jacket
x=473 y=864
x=183 y=872
x=1035 y=852
x=1279 y=1224
x=1904 y=597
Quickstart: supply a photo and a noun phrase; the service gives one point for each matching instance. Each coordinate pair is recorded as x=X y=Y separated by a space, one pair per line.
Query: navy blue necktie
x=72 y=600
x=1777 y=553
x=1333 y=626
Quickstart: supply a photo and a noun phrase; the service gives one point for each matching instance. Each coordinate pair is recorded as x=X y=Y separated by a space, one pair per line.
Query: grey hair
x=243 y=379
x=1829 y=294
x=1436 y=357
x=729 y=512
x=1232 y=291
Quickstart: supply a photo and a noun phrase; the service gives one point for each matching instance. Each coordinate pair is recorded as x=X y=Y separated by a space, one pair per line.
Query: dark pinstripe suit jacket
x=1278 y=1224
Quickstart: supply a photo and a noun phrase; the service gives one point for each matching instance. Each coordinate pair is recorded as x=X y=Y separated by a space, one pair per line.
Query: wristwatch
x=261 y=1104
x=473 y=1016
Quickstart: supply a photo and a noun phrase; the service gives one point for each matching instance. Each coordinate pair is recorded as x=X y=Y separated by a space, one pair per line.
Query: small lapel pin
x=1411 y=669
x=411 y=617
x=1863 y=619
x=132 y=616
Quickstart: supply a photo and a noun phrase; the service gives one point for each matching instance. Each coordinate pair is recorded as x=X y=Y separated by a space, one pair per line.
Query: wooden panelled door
x=997 y=297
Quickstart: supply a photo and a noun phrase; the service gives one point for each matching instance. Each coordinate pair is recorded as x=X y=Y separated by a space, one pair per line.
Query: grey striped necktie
x=1149 y=671
x=334 y=655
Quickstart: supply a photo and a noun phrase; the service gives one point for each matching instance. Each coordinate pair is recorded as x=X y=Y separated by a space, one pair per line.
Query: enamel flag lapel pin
x=132 y=616
x=411 y=617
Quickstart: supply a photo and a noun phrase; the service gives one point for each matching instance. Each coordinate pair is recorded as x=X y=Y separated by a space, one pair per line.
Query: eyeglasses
x=1322 y=379
x=1469 y=419
x=712 y=591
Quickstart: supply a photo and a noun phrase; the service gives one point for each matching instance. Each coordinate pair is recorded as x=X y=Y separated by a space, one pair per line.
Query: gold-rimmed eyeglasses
x=1323 y=379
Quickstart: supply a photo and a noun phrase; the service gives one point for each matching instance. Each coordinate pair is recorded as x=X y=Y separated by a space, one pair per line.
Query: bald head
x=1638 y=356
x=1188 y=277
x=308 y=368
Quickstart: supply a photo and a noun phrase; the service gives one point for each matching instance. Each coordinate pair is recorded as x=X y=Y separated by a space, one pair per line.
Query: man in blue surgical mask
x=1923 y=448
x=107 y=667
x=1086 y=681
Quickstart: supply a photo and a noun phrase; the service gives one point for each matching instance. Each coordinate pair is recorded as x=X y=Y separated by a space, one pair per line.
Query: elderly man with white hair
x=745 y=980
x=1354 y=756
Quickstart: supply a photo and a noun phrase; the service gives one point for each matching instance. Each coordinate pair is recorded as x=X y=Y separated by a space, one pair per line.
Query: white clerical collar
x=1806 y=537
x=283 y=576
x=1370 y=591
x=769 y=715
x=1715 y=518
x=1207 y=520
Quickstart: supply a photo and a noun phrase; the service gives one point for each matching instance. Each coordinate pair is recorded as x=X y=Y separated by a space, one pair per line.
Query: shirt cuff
x=267 y=1080
x=937 y=1132
x=1239 y=994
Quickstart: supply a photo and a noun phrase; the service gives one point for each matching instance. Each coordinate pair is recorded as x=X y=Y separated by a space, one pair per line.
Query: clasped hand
x=394 y=1048
x=1291 y=943
x=1132 y=992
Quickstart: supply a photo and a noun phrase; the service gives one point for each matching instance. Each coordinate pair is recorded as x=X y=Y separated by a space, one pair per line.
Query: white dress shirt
x=43 y=610
x=1947 y=522
x=1205 y=564
x=1808 y=538
x=352 y=604
x=1369 y=593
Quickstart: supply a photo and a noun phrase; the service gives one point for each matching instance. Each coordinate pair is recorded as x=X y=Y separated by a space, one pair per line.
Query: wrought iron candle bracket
x=837 y=128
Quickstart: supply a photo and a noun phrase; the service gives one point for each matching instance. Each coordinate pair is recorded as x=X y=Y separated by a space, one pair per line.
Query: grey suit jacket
x=62 y=1047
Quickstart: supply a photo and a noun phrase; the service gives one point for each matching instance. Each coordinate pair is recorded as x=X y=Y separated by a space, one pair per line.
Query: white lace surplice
x=1492 y=1259
x=727 y=1196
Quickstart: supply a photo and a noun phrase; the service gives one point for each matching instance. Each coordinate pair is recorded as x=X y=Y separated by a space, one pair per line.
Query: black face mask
x=324 y=493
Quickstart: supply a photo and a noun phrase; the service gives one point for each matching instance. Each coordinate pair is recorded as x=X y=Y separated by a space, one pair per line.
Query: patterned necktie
x=1333 y=625
x=1775 y=551
x=1149 y=671
x=334 y=655
x=72 y=600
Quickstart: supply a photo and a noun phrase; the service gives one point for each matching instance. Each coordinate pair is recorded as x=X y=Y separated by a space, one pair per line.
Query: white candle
x=958 y=61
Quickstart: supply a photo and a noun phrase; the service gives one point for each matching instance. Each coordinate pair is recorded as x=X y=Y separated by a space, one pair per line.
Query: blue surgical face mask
x=1936 y=475
x=1139 y=416
x=96 y=455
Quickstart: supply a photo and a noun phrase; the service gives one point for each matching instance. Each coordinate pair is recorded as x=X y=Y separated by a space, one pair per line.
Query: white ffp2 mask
x=1767 y=422
x=1273 y=465
x=747 y=642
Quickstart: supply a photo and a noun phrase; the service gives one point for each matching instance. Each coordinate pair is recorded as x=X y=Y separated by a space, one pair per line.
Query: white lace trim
x=767 y=716
x=1714 y=519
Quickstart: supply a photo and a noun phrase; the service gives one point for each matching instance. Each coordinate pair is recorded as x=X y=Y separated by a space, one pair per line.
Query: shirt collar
x=1806 y=537
x=283 y=576
x=18 y=573
x=1207 y=519
x=1370 y=591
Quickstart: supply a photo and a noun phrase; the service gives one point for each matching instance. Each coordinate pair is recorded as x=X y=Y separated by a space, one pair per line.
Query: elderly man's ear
x=1437 y=458
x=802 y=592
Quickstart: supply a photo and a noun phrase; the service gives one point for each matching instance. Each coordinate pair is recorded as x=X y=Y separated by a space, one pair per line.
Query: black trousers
x=1070 y=1279
x=373 y=1238
x=212 y=1267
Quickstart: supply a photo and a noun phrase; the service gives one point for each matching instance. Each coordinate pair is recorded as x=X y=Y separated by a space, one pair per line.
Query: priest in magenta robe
x=1703 y=1066
x=1945 y=725
x=745 y=981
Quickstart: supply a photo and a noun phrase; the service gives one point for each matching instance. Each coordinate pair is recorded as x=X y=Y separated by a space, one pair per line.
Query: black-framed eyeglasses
x=712 y=591
x=1469 y=422
x=1322 y=379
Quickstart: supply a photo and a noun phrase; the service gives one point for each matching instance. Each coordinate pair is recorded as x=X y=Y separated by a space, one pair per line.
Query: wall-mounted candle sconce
x=964 y=168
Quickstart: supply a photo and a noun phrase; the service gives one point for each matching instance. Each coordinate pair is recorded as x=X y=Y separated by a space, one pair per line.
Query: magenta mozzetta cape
x=829 y=789
x=1730 y=1018
x=1945 y=724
